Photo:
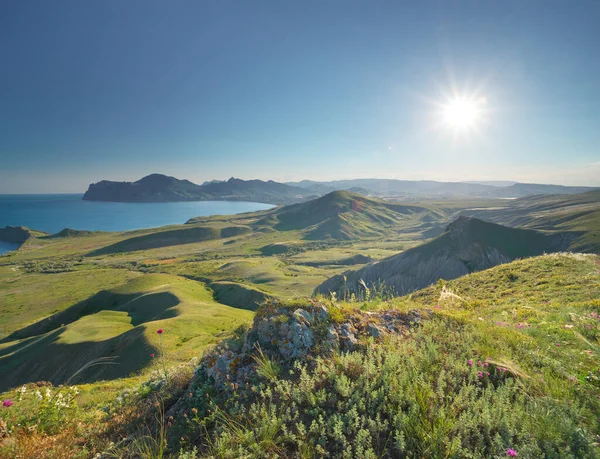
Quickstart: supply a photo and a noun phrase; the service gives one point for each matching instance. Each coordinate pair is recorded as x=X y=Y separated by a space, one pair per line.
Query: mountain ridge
x=467 y=245
x=163 y=188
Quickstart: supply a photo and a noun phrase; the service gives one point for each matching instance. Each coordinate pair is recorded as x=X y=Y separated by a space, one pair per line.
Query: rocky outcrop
x=285 y=333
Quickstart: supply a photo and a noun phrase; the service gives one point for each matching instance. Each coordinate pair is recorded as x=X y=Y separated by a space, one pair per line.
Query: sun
x=462 y=113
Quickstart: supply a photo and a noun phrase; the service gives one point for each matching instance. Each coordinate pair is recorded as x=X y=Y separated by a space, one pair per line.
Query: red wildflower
x=160 y=331
x=7 y=403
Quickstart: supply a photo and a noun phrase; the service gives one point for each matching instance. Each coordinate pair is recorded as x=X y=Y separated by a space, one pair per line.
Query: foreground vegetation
x=504 y=362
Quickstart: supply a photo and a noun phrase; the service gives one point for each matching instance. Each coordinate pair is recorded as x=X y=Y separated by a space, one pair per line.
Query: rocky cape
x=162 y=188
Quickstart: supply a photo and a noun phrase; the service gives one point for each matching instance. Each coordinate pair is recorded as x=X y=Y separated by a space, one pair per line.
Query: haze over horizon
x=289 y=91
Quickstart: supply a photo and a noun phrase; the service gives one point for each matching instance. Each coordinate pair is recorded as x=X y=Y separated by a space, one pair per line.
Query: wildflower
x=160 y=331
x=511 y=452
x=479 y=363
x=558 y=344
x=485 y=364
x=152 y=355
x=480 y=374
x=7 y=403
x=470 y=363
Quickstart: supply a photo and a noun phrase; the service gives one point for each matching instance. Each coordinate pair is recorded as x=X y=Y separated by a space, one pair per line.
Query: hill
x=467 y=245
x=578 y=212
x=162 y=188
x=490 y=365
x=120 y=322
x=342 y=215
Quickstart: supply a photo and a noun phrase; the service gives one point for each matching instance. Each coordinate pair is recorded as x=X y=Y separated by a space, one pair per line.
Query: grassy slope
x=467 y=245
x=509 y=360
x=580 y=212
x=120 y=323
x=534 y=313
x=25 y=298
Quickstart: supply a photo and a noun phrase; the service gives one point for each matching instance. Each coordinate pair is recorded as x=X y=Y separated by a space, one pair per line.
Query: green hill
x=467 y=245
x=166 y=238
x=579 y=213
x=121 y=323
x=343 y=215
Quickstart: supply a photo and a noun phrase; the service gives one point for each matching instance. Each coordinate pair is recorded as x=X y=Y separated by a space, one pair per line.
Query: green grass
x=509 y=360
x=25 y=298
x=119 y=323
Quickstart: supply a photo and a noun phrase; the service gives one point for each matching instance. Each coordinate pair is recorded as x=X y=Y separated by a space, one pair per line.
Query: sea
x=54 y=212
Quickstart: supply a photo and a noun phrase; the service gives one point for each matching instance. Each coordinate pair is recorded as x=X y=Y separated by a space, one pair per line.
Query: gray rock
x=374 y=330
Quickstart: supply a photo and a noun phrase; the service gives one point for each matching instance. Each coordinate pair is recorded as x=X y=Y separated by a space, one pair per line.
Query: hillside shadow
x=170 y=238
x=140 y=307
x=56 y=362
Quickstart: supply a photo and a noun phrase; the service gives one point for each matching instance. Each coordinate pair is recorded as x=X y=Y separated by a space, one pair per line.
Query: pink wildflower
x=470 y=363
x=7 y=403
x=160 y=331
x=511 y=452
x=151 y=355
x=480 y=374
x=485 y=364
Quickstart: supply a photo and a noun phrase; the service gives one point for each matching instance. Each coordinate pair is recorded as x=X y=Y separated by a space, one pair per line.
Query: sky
x=290 y=90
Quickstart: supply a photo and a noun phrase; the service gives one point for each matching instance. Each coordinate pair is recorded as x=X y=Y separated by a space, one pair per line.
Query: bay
x=53 y=212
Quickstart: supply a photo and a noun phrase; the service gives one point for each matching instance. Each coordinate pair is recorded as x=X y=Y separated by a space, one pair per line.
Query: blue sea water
x=52 y=213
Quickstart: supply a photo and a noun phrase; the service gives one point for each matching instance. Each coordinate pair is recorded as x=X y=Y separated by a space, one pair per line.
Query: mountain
x=467 y=245
x=435 y=189
x=342 y=215
x=256 y=190
x=162 y=188
x=569 y=212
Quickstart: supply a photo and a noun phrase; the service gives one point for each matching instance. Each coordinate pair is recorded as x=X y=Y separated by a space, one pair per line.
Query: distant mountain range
x=162 y=188
x=428 y=188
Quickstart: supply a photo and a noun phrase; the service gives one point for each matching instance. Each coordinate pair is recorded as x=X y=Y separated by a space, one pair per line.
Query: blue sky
x=288 y=90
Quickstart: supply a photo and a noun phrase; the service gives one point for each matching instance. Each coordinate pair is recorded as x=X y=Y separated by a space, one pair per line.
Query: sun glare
x=462 y=113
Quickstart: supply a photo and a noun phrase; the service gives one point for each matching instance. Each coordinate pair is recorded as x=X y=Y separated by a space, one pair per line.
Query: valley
x=77 y=296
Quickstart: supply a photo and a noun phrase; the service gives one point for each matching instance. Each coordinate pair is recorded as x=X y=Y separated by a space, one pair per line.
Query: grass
x=67 y=300
x=506 y=362
x=25 y=298
x=121 y=322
